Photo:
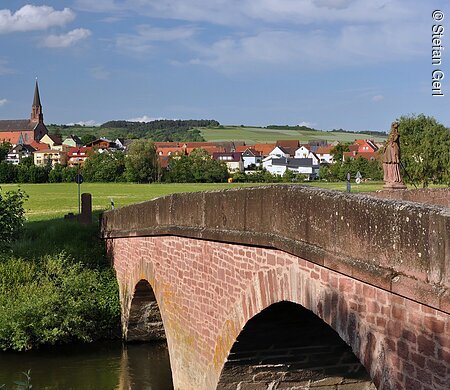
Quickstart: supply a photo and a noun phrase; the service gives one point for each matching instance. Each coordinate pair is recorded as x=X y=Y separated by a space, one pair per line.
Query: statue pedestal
x=394 y=186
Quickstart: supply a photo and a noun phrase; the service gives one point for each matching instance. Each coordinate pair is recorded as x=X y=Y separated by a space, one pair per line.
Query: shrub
x=12 y=217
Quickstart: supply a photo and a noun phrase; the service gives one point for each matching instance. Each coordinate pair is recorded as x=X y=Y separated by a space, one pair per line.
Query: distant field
x=48 y=201
x=109 y=133
x=252 y=135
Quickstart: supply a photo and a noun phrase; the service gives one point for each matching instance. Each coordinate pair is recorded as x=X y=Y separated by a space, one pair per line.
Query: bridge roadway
x=285 y=286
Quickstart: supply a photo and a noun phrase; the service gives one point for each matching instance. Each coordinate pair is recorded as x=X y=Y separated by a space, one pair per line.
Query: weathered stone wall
x=398 y=246
x=432 y=196
x=207 y=291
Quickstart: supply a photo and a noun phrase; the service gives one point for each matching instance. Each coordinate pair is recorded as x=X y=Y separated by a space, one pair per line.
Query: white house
x=279 y=152
x=279 y=166
x=18 y=152
x=304 y=152
x=324 y=154
x=251 y=158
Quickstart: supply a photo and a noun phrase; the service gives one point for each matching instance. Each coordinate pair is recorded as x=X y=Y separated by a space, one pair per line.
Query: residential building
x=72 y=141
x=324 y=154
x=251 y=158
x=279 y=166
x=362 y=148
x=366 y=145
x=305 y=152
x=50 y=157
x=264 y=149
x=279 y=152
x=232 y=160
x=18 y=152
x=54 y=142
x=77 y=156
x=102 y=145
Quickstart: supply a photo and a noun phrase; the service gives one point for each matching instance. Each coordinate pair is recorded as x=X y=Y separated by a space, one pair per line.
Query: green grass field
x=249 y=134
x=252 y=135
x=47 y=201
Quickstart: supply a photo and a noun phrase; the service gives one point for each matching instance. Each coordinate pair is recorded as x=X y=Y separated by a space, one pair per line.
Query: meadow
x=252 y=135
x=53 y=200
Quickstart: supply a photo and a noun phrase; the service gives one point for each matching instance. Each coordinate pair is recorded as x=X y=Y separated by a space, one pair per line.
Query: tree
x=56 y=174
x=87 y=138
x=141 y=164
x=104 y=167
x=12 y=216
x=198 y=167
x=338 y=151
x=4 y=149
x=8 y=172
x=425 y=150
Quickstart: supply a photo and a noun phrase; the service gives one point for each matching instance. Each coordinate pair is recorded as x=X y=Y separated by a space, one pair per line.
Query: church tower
x=36 y=108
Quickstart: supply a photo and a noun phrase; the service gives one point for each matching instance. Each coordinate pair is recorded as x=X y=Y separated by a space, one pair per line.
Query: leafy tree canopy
x=425 y=150
x=198 y=167
x=141 y=163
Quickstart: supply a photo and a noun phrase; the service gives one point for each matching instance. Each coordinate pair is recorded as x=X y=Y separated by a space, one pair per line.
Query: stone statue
x=391 y=160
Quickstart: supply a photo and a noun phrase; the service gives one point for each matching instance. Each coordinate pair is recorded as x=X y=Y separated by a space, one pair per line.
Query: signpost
x=79 y=180
x=349 y=186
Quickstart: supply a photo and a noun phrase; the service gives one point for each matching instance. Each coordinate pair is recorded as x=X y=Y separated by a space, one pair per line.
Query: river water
x=99 y=366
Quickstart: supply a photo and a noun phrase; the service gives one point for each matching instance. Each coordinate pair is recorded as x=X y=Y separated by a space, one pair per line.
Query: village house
x=324 y=154
x=50 y=157
x=251 y=158
x=279 y=166
x=19 y=152
x=54 y=142
x=362 y=148
x=232 y=160
x=102 y=145
x=78 y=155
x=72 y=141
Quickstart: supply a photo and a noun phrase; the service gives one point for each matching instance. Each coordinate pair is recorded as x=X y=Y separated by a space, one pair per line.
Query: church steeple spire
x=36 y=108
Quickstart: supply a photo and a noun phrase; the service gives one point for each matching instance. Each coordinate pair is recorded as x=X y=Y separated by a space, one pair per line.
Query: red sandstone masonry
x=208 y=290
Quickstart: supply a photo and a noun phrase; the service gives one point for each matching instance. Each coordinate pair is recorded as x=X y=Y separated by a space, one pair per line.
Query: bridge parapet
x=399 y=246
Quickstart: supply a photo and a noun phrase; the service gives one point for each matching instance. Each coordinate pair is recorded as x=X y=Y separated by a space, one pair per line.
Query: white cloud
x=4 y=69
x=352 y=45
x=68 y=39
x=84 y=123
x=333 y=4
x=3 y=102
x=144 y=118
x=100 y=73
x=240 y=12
x=30 y=17
x=307 y=124
x=377 y=98
x=147 y=35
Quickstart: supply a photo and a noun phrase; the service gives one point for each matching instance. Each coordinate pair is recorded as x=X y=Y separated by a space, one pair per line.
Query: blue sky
x=353 y=64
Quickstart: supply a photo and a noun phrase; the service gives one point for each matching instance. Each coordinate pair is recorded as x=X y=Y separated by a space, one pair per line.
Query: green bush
x=55 y=300
x=12 y=217
x=57 y=287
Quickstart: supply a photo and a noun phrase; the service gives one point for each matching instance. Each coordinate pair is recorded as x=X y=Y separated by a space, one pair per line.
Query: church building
x=25 y=131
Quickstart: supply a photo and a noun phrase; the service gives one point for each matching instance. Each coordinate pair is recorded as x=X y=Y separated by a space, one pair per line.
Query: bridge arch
x=337 y=304
x=289 y=345
x=144 y=321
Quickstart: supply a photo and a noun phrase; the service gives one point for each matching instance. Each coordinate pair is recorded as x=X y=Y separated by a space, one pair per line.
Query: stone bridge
x=289 y=287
